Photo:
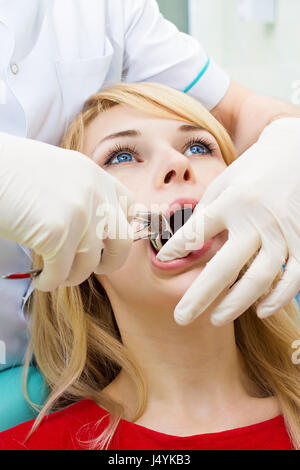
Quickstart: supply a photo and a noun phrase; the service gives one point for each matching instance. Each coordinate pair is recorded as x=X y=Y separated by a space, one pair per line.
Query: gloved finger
x=117 y=244
x=254 y=283
x=284 y=291
x=58 y=264
x=219 y=273
x=204 y=224
x=200 y=228
x=56 y=269
x=87 y=258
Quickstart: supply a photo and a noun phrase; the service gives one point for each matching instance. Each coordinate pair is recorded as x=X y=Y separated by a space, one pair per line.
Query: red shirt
x=61 y=430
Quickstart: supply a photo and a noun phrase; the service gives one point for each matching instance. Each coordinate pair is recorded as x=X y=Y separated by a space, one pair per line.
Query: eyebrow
x=135 y=133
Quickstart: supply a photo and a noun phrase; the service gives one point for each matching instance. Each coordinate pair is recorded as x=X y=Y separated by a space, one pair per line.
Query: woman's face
x=162 y=162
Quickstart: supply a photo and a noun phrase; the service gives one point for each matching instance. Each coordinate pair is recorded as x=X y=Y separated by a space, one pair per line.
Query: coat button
x=14 y=68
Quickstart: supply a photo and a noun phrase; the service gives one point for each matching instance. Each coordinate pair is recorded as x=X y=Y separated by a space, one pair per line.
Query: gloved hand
x=59 y=203
x=257 y=199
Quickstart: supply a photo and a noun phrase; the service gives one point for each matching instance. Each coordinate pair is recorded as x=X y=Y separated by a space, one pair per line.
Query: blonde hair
x=75 y=340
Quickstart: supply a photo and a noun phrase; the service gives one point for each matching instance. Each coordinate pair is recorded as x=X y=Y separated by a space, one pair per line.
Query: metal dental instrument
x=154 y=226
x=149 y=225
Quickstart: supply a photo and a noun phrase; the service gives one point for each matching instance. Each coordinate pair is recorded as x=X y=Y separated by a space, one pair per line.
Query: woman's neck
x=198 y=365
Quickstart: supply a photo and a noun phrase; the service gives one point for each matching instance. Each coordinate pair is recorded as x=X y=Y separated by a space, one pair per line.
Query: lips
x=181 y=263
x=180 y=203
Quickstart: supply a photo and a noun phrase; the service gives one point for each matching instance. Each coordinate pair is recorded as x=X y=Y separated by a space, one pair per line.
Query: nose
x=174 y=168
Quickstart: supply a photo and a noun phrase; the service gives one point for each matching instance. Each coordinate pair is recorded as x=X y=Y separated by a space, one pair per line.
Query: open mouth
x=178 y=214
x=170 y=226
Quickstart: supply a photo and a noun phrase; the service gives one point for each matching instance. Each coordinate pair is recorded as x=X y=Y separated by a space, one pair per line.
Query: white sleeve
x=156 y=51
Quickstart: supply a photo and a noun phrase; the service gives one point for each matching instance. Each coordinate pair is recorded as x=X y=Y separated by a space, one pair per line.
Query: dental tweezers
x=150 y=225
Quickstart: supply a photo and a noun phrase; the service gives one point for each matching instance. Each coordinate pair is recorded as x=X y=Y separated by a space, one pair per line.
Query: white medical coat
x=53 y=55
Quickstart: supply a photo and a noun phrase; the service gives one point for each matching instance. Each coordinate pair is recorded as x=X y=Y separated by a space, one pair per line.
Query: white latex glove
x=257 y=199
x=51 y=201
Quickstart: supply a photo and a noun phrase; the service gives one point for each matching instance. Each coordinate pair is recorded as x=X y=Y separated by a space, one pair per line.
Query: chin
x=169 y=291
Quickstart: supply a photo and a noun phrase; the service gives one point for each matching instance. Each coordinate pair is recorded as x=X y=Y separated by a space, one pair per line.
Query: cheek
x=133 y=273
x=136 y=181
x=137 y=285
x=208 y=170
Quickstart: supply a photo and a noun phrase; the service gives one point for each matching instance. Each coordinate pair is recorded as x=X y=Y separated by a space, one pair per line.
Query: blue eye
x=127 y=154
x=121 y=154
x=197 y=149
x=121 y=158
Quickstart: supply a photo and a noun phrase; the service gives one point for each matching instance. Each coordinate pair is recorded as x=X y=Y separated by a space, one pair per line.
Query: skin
x=245 y=114
x=193 y=372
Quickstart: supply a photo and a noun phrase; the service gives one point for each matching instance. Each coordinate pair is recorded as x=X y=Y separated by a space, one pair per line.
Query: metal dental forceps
x=154 y=226
x=149 y=225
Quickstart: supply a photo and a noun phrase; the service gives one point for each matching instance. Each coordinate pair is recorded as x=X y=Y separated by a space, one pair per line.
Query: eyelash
x=200 y=141
x=119 y=149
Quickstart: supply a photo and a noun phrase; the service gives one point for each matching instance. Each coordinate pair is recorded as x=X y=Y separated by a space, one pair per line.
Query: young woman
x=122 y=373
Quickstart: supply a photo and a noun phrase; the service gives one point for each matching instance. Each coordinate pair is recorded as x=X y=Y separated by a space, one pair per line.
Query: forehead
x=123 y=117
